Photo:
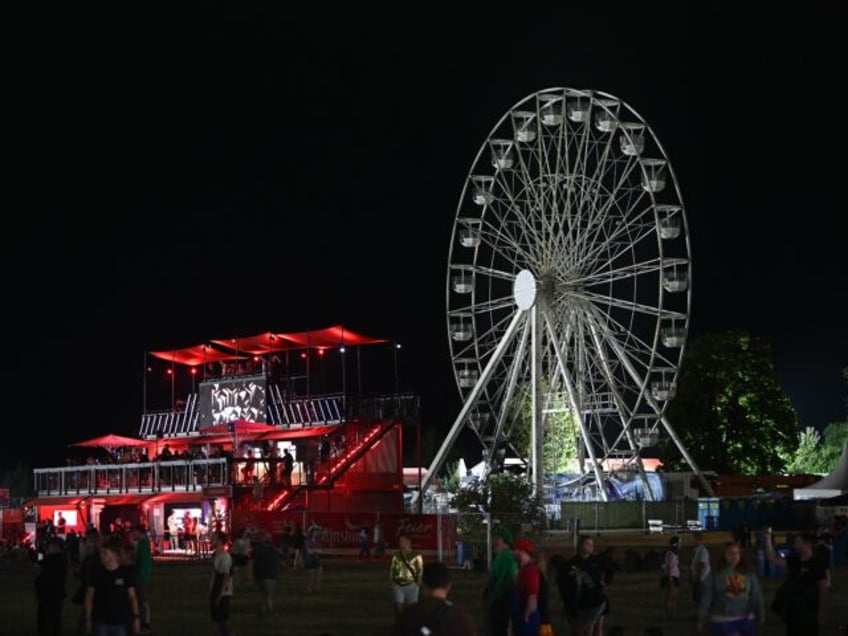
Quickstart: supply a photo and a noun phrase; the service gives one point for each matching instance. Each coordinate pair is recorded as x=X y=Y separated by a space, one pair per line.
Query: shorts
x=267 y=586
x=405 y=594
x=741 y=627
x=220 y=611
x=588 y=616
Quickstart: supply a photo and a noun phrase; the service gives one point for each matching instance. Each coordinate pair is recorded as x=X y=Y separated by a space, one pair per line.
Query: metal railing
x=140 y=478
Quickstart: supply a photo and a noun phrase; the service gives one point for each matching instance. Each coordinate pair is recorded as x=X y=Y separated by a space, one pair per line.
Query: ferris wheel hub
x=524 y=290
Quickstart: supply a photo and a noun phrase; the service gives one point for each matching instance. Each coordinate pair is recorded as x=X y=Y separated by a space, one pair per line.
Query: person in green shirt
x=500 y=583
x=143 y=570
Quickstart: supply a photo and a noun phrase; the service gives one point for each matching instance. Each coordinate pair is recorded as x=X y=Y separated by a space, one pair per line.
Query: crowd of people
x=112 y=574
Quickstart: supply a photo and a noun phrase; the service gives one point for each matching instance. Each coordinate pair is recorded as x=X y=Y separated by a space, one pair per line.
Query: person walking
x=364 y=544
x=266 y=572
x=700 y=568
x=143 y=571
x=50 y=588
x=405 y=573
x=670 y=580
x=499 y=584
x=111 y=605
x=802 y=596
x=731 y=598
x=581 y=583
x=221 y=585
x=524 y=610
x=433 y=613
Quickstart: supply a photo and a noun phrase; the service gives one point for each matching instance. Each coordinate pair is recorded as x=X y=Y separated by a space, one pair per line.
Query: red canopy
x=266 y=342
x=196 y=355
x=336 y=336
x=112 y=441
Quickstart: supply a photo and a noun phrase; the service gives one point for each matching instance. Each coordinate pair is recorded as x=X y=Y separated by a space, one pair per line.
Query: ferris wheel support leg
x=677 y=441
x=570 y=388
x=470 y=401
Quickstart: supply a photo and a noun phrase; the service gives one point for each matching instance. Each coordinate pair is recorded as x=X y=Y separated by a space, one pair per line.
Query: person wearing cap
x=500 y=582
x=524 y=614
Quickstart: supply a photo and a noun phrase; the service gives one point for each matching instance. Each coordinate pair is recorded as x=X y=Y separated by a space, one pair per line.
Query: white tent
x=833 y=485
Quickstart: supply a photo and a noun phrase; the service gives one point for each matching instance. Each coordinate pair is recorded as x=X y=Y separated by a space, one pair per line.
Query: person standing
x=700 y=567
x=805 y=586
x=524 y=610
x=50 y=588
x=143 y=570
x=266 y=572
x=581 y=583
x=288 y=468
x=111 y=605
x=731 y=598
x=405 y=573
x=499 y=585
x=434 y=614
x=221 y=586
x=364 y=544
x=670 y=580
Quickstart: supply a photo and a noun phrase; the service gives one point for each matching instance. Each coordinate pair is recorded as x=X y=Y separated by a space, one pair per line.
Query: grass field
x=355 y=600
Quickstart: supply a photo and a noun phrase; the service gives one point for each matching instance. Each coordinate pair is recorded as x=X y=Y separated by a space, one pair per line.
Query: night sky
x=177 y=177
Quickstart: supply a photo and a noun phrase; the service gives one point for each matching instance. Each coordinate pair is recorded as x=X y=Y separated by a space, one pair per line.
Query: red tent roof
x=112 y=441
x=336 y=336
x=267 y=342
x=196 y=355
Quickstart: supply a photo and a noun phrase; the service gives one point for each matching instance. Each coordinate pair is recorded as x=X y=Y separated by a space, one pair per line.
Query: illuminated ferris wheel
x=568 y=282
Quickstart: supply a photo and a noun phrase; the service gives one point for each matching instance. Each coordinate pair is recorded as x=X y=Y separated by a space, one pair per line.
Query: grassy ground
x=355 y=600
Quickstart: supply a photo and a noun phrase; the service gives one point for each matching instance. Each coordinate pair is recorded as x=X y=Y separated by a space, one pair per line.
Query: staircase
x=340 y=464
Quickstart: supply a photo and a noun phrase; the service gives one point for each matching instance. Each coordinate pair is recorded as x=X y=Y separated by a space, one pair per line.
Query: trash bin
x=460 y=553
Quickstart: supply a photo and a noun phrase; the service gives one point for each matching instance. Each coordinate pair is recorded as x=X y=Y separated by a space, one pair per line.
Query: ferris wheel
x=568 y=283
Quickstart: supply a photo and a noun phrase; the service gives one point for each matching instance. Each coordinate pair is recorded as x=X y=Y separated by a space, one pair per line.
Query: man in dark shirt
x=805 y=586
x=434 y=614
x=50 y=589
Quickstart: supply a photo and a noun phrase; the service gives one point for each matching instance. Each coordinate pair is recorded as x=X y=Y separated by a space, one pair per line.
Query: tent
x=832 y=485
x=112 y=441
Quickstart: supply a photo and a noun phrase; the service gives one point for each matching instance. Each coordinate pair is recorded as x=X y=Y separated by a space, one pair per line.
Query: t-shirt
x=701 y=558
x=442 y=618
x=111 y=598
x=222 y=567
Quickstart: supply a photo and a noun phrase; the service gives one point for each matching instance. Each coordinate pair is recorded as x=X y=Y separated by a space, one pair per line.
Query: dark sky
x=309 y=166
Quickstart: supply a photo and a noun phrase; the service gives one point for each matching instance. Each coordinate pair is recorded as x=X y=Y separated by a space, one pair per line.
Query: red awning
x=196 y=355
x=125 y=499
x=266 y=342
x=259 y=344
x=112 y=441
x=336 y=336
x=175 y=497
x=68 y=500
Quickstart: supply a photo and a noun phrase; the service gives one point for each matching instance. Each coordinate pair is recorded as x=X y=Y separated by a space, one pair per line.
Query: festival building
x=269 y=431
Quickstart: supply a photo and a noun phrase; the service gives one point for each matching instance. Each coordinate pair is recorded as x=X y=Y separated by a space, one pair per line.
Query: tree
x=729 y=410
x=807 y=457
x=512 y=503
x=560 y=444
x=833 y=442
